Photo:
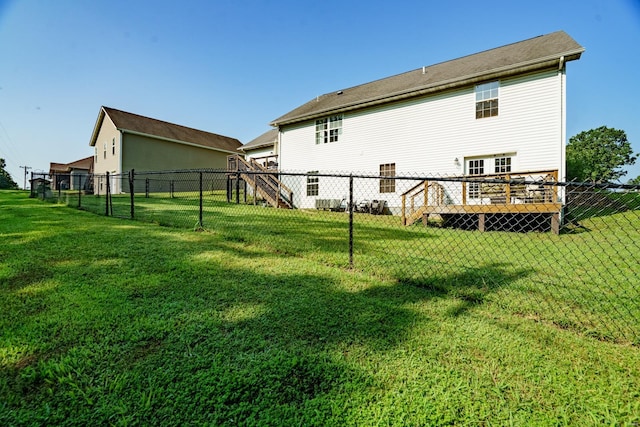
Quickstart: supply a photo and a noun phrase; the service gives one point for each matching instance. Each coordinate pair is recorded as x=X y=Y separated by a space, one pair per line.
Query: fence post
x=79 y=195
x=108 y=195
x=350 y=220
x=146 y=188
x=131 y=191
x=237 y=187
x=200 y=217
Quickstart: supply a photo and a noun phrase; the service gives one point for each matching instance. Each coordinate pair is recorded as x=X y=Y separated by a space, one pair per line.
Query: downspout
x=562 y=175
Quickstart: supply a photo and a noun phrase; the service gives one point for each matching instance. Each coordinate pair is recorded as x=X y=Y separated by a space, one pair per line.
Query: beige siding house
x=124 y=141
x=71 y=176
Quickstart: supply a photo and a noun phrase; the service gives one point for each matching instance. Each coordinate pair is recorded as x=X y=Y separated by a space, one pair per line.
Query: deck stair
x=264 y=182
x=416 y=200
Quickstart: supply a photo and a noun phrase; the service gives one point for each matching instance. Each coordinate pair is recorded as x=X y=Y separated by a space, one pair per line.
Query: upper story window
x=95 y=153
x=387 y=185
x=487 y=99
x=113 y=147
x=328 y=129
x=104 y=151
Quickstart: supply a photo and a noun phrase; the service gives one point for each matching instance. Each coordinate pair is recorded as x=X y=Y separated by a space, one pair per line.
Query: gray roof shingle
x=533 y=54
x=145 y=125
x=265 y=140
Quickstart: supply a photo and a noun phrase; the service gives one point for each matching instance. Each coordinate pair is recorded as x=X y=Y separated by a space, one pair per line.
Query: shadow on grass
x=472 y=287
x=195 y=328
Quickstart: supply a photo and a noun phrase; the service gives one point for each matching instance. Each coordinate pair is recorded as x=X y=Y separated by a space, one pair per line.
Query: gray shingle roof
x=130 y=122
x=86 y=163
x=533 y=54
x=265 y=140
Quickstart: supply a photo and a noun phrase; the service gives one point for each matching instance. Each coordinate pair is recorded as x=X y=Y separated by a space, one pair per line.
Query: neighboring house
x=263 y=149
x=124 y=141
x=71 y=176
x=498 y=111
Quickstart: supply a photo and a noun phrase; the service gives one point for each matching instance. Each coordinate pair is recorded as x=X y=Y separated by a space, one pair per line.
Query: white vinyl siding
x=426 y=135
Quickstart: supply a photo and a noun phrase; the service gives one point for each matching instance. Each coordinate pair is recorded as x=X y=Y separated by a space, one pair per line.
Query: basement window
x=487 y=99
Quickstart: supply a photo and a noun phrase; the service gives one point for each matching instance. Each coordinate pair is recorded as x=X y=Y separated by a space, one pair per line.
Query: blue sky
x=232 y=66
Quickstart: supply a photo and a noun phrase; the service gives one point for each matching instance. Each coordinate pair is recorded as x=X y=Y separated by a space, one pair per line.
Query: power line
x=26 y=168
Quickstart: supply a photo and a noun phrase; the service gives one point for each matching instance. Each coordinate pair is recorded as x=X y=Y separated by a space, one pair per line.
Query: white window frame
x=328 y=129
x=313 y=184
x=387 y=185
x=486 y=165
x=487 y=99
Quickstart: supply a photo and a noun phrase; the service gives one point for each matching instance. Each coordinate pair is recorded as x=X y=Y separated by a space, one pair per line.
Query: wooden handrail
x=500 y=185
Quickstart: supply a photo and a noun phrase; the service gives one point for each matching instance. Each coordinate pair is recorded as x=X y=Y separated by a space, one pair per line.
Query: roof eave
x=96 y=128
x=255 y=147
x=520 y=68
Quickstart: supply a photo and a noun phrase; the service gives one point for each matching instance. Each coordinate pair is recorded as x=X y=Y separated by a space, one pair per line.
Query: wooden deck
x=525 y=193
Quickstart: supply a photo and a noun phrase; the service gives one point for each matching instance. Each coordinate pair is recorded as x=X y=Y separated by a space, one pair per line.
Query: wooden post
x=426 y=194
x=464 y=193
x=555 y=223
x=481 y=218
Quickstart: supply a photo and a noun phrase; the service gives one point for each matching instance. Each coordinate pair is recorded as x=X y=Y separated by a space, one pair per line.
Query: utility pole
x=26 y=168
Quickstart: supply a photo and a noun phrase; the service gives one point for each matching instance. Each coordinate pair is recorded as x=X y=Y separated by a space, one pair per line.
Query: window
x=490 y=164
x=476 y=167
x=387 y=185
x=487 y=100
x=328 y=129
x=503 y=164
x=104 y=151
x=313 y=184
x=95 y=153
x=113 y=147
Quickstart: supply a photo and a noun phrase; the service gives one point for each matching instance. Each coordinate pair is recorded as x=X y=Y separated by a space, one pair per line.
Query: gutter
x=523 y=67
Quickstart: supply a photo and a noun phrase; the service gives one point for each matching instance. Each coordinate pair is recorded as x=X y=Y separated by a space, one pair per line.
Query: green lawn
x=259 y=321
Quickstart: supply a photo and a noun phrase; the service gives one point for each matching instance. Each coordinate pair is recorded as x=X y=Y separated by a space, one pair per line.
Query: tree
x=634 y=181
x=6 y=182
x=598 y=154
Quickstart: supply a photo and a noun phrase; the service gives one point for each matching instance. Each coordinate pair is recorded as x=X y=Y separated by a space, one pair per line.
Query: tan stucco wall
x=144 y=153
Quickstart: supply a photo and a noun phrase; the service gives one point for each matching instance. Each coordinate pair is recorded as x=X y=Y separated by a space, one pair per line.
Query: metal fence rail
x=566 y=254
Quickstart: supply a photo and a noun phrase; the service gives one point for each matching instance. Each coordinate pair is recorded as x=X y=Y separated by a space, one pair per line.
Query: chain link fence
x=565 y=254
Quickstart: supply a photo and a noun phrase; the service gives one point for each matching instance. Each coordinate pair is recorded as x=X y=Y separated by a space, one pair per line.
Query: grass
x=258 y=321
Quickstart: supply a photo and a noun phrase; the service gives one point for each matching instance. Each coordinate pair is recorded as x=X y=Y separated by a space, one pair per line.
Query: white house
x=501 y=111
x=263 y=149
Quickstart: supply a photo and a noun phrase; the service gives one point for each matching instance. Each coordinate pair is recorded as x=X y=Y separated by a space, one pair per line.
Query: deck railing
x=511 y=192
x=264 y=183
